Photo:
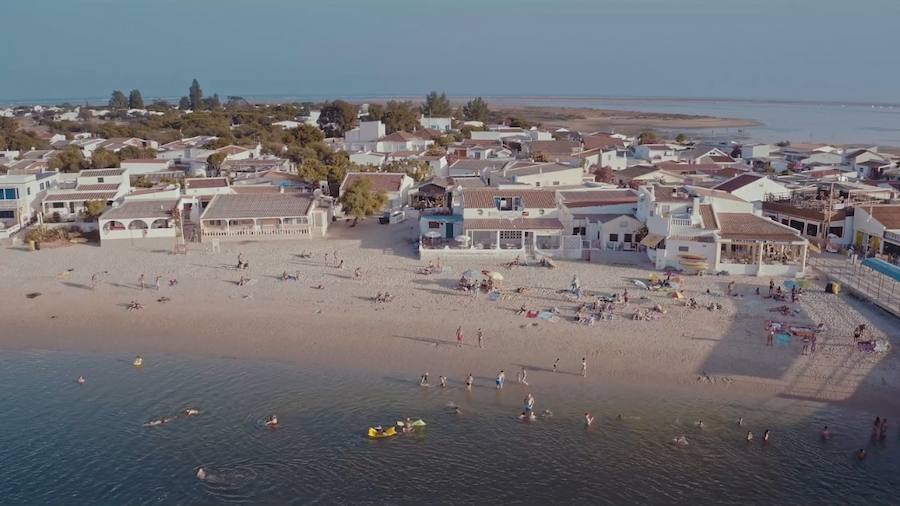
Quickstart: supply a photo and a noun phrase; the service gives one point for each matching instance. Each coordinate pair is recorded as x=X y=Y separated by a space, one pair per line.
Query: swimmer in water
x=861 y=454
x=443 y=382
x=740 y=421
x=191 y=412
x=272 y=422
x=825 y=433
x=699 y=424
x=547 y=413
x=766 y=436
x=588 y=419
x=469 y=381
x=80 y=380
x=456 y=410
x=201 y=474
x=153 y=423
x=527 y=416
x=423 y=380
x=749 y=436
x=138 y=361
x=680 y=441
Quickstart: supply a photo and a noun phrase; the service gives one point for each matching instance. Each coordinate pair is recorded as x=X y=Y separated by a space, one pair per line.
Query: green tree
x=476 y=110
x=419 y=170
x=135 y=100
x=195 y=93
x=337 y=117
x=518 y=122
x=436 y=105
x=307 y=134
x=648 y=137
x=376 y=112
x=360 y=200
x=118 y=100
x=212 y=103
x=93 y=209
x=400 y=116
x=215 y=160
x=605 y=174
x=143 y=182
x=136 y=153
x=69 y=159
x=14 y=138
x=184 y=103
x=103 y=158
x=681 y=138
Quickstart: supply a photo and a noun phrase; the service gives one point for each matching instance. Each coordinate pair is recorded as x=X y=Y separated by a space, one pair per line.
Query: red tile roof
x=103 y=187
x=205 y=182
x=282 y=205
x=513 y=224
x=483 y=198
x=573 y=199
x=708 y=217
x=745 y=226
x=381 y=181
x=737 y=182
x=79 y=196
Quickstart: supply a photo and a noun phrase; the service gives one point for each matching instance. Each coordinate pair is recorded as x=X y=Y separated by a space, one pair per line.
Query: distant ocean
x=797 y=121
x=63 y=443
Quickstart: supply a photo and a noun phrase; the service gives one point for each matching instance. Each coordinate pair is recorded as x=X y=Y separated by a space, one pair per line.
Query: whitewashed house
x=752 y=187
x=442 y=124
x=656 y=153
x=104 y=185
x=536 y=174
x=264 y=216
x=20 y=197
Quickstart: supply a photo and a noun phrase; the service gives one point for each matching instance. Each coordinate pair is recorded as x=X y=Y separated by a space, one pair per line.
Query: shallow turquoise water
x=63 y=443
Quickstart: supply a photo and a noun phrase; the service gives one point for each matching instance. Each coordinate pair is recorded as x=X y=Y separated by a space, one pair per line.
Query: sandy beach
x=719 y=353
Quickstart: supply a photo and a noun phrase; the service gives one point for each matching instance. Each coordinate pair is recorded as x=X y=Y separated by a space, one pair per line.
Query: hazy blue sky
x=783 y=49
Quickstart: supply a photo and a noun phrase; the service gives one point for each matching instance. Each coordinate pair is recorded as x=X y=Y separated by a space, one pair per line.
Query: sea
x=65 y=443
x=794 y=121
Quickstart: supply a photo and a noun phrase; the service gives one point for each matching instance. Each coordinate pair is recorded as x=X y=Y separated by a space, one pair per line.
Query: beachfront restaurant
x=757 y=246
x=496 y=237
x=266 y=216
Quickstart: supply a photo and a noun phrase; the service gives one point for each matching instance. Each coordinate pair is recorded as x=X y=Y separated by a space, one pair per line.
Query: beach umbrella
x=432 y=234
x=496 y=276
x=462 y=239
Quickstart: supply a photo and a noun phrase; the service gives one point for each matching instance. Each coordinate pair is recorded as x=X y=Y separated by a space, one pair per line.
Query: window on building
x=838 y=231
x=579 y=231
x=508 y=203
x=8 y=194
x=510 y=234
x=784 y=221
x=537 y=183
x=613 y=237
x=59 y=205
x=628 y=238
x=99 y=179
x=434 y=224
x=556 y=183
x=7 y=215
x=812 y=229
x=683 y=249
x=796 y=225
x=27 y=190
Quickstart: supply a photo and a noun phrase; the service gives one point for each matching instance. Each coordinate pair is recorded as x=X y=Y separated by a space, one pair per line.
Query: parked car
x=392 y=217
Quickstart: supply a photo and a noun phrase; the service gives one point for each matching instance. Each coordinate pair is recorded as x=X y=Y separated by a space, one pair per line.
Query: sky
x=820 y=50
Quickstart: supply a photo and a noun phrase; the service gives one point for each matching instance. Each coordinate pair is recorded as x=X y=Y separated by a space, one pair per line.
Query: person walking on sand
x=93 y=281
x=770 y=338
x=357 y=273
x=556 y=364
x=583 y=367
x=625 y=296
x=156 y=282
x=524 y=380
x=771 y=286
x=500 y=378
x=730 y=288
x=469 y=381
x=141 y=281
x=459 y=337
x=341 y=264
x=480 y=335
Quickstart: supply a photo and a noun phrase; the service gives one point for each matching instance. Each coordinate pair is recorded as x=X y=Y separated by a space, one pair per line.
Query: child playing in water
x=588 y=419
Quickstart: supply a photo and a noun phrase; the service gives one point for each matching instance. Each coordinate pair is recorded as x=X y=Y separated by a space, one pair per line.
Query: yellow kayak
x=389 y=432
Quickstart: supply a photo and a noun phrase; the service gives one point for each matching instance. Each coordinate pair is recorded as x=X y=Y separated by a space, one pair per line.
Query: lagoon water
x=63 y=443
x=863 y=123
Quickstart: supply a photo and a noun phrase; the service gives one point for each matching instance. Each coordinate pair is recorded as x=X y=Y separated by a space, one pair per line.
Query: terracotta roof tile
x=225 y=207
x=483 y=198
x=513 y=224
x=381 y=181
x=751 y=227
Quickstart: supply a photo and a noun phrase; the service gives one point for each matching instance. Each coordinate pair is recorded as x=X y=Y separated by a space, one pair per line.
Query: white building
x=20 y=197
x=105 y=185
x=656 y=153
x=139 y=167
x=536 y=174
x=270 y=216
x=752 y=187
x=436 y=123
x=364 y=137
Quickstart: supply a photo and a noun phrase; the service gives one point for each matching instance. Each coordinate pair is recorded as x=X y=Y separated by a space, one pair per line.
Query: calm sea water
x=798 y=122
x=63 y=443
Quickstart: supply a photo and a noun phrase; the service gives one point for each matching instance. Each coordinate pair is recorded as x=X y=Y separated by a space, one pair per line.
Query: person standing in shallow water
x=459 y=337
x=469 y=381
x=583 y=367
x=480 y=339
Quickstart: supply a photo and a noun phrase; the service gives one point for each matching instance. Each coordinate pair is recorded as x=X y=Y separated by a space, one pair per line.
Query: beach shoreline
x=716 y=353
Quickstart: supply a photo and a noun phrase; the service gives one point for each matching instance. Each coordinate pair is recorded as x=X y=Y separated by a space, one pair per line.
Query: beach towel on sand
x=783 y=339
x=531 y=314
x=548 y=316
